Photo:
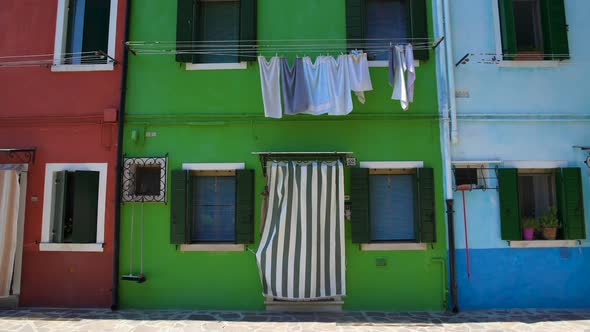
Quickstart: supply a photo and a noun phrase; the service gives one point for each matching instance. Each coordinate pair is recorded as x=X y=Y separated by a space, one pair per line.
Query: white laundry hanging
x=401 y=60
x=270 y=77
x=358 y=71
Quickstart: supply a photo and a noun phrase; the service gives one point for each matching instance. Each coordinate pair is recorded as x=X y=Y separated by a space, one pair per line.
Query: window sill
x=68 y=68
x=528 y=64
x=73 y=247
x=216 y=66
x=212 y=247
x=385 y=63
x=543 y=244
x=392 y=246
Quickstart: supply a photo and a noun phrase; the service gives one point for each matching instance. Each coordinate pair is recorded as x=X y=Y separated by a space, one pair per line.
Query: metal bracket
x=19 y=156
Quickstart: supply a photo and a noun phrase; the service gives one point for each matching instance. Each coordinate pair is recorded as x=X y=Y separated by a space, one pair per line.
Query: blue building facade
x=518 y=122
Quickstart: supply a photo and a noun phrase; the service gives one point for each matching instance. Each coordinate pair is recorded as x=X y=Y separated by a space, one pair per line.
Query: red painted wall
x=61 y=114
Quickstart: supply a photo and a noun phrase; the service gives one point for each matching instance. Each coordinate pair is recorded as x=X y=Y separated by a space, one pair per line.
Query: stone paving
x=49 y=320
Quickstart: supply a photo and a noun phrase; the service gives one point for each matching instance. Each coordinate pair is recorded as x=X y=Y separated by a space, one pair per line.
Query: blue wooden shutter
x=571 y=203
x=185 y=29
x=426 y=206
x=60 y=185
x=509 y=204
x=359 y=195
x=554 y=23
x=181 y=211
x=245 y=206
x=85 y=207
x=419 y=26
x=248 y=28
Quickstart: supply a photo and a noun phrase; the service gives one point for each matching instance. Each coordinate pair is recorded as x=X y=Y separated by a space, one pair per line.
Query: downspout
x=450 y=71
x=117 y=226
x=444 y=101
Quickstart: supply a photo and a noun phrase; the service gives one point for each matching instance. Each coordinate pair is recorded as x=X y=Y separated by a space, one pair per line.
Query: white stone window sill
x=216 y=66
x=212 y=247
x=96 y=67
x=528 y=64
x=385 y=63
x=543 y=244
x=74 y=247
x=392 y=246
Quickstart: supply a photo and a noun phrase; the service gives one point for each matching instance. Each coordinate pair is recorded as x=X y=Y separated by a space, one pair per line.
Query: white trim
x=18 y=260
x=392 y=164
x=535 y=163
x=475 y=162
x=529 y=64
x=217 y=66
x=90 y=67
x=543 y=244
x=213 y=166
x=497 y=29
x=212 y=247
x=385 y=63
x=50 y=170
x=61 y=36
x=392 y=246
x=77 y=247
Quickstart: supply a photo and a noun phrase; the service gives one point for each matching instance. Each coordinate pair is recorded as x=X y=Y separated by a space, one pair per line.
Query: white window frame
x=213 y=246
x=48 y=204
x=61 y=27
x=217 y=66
x=384 y=246
x=498 y=43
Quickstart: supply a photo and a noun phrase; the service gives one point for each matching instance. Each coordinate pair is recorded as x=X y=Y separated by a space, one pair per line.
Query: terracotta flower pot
x=550 y=233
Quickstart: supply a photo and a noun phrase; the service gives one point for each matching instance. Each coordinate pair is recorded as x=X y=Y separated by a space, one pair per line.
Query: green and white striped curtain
x=301 y=253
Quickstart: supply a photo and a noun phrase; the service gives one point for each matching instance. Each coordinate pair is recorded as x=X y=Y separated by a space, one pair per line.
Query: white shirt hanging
x=358 y=71
x=270 y=80
x=400 y=91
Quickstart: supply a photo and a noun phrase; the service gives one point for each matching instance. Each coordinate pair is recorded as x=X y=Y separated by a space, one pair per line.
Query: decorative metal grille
x=130 y=166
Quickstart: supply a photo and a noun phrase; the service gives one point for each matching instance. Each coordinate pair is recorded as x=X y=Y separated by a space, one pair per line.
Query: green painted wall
x=217 y=116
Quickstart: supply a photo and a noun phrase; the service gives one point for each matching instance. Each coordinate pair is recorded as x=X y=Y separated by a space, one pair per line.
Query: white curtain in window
x=9 y=200
x=301 y=253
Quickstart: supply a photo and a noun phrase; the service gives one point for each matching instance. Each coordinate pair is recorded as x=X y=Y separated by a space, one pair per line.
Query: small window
x=392 y=207
x=75 y=207
x=386 y=19
x=219 y=21
x=214 y=204
x=466 y=176
x=536 y=194
x=147 y=180
x=529 y=33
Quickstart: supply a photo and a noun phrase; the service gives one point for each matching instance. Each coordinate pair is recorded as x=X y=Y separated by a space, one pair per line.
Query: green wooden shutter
x=555 y=39
x=426 y=216
x=60 y=185
x=509 y=205
x=185 y=29
x=85 y=207
x=571 y=203
x=419 y=26
x=248 y=27
x=96 y=28
x=508 y=28
x=359 y=195
x=181 y=207
x=245 y=206
x=355 y=23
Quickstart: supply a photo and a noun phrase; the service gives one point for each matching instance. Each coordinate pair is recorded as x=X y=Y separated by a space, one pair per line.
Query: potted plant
x=528 y=228
x=550 y=223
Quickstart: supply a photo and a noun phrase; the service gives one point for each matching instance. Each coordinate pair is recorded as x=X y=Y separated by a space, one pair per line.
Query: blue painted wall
x=519 y=114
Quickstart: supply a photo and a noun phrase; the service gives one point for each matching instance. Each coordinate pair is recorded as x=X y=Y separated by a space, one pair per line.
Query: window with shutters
x=532 y=193
x=392 y=206
x=371 y=23
x=85 y=35
x=212 y=207
x=533 y=30
x=74 y=207
x=230 y=25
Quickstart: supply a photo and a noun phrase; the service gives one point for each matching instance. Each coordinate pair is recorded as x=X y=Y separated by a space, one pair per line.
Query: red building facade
x=60 y=94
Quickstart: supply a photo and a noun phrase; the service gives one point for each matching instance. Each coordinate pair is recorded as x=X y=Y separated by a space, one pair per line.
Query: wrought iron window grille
x=132 y=191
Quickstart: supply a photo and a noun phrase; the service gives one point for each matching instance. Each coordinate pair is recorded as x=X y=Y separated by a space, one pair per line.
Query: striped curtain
x=301 y=253
x=9 y=200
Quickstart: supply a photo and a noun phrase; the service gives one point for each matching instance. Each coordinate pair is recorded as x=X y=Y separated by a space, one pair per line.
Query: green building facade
x=216 y=116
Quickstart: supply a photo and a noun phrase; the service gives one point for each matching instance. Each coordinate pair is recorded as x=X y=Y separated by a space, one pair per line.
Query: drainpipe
x=117 y=226
x=450 y=71
x=446 y=93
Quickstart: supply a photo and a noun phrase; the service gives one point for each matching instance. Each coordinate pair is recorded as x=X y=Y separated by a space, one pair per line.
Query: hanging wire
x=38 y=60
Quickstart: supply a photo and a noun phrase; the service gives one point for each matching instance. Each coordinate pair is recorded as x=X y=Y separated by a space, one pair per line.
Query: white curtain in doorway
x=301 y=253
x=9 y=200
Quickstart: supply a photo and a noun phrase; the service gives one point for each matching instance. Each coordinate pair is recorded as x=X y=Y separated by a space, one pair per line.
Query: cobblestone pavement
x=50 y=320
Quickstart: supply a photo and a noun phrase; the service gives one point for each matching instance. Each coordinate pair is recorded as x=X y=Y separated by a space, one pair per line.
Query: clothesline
x=393 y=40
